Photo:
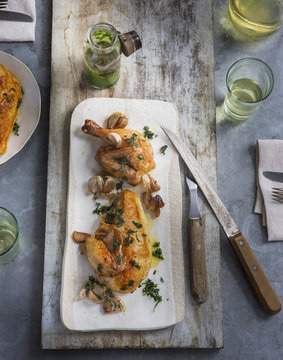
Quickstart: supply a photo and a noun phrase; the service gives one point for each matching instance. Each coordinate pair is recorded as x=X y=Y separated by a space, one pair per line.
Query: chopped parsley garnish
x=123 y=162
x=110 y=218
x=130 y=231
x=138 y=225
x=13 y=89
x=144 y=234
x=19 y=103
x=16 y=128
x=140 y=157
x=123 y=178
x=148 y=134
x=154 y=272
x=131 y=283
x=116 y=243
x=119 y=259
x=91 y=281
x=99 y=268
x=158 y=253
x=132 y=140
x=119 y=185
x=120 y=221
x=22 y=90
x=161 y=279
x=135 y=264
x=156 y=244
x=101 y=209
x=151 y=289
x=163 y=149
x=128 y=241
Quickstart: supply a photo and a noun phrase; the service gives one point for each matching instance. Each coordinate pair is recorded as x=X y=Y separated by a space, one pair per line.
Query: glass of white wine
x=249 y=81
x=256 y=18
x=9 y=236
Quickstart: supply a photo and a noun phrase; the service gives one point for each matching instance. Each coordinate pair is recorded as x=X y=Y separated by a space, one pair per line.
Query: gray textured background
x=248 y=332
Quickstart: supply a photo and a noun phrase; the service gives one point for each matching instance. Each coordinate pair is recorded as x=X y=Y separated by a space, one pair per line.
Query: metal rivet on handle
x=241 y=243
x=254 y=267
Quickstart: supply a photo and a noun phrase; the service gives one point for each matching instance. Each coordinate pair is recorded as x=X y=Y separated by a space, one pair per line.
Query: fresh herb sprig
x=148 y=133
x=150 y=289
x=163 y=149
x=158 y=253
x=132 y=140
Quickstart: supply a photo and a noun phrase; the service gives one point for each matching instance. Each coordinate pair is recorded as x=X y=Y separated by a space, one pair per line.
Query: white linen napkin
x=269 y=154
x=16 y=30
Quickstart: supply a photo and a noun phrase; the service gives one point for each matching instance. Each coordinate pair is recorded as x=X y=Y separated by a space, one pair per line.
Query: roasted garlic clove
x=117 y=120
x=109 y=184
x=114 y=139
x=113 y=304
x=96 y=298
x=150 y=184
x=83 y=292
x=153 y=203
x=95 y=184
x=80 y=237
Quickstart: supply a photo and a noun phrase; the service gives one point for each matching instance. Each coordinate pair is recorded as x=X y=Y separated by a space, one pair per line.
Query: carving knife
x=14 y=16
x=197 y=251
x=255 y=274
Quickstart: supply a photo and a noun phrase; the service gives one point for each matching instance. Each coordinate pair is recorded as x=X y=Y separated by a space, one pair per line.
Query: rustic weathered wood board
x=175 y=64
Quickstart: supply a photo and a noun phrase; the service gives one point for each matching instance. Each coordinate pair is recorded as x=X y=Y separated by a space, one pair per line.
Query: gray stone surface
x=248 y=332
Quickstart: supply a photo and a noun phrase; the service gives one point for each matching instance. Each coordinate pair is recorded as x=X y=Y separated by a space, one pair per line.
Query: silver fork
x=3 y=4
x=277 y=194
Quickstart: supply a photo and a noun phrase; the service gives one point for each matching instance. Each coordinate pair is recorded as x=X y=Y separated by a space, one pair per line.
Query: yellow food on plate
x=10 y=101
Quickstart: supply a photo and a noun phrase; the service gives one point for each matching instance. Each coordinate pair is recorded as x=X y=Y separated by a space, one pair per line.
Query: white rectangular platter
x=82 y=315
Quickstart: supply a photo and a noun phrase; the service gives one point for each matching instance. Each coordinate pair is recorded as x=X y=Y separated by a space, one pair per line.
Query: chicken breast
x=120 y=252
x=10 y=100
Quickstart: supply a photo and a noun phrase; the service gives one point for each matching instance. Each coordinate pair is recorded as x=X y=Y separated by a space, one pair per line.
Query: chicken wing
x=120 y=251
x=129 y=156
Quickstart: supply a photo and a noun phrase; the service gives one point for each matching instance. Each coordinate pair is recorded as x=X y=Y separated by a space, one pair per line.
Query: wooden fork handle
x=256 y=276
x=197 y=261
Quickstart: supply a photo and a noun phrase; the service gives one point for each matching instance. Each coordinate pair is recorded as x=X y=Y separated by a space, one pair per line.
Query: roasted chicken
x=10 y=100
x=129 y=156
x=119 y=252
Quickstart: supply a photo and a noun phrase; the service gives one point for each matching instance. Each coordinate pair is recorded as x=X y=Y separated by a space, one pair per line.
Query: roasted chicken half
x=10 y=99
x=119 y=252
x=129 y=156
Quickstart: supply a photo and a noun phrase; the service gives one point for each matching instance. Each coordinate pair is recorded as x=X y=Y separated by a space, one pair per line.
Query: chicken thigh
x=129 y=156
x=120 y=252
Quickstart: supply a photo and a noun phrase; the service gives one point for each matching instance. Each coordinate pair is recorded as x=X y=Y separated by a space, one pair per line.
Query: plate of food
x=20 y=105
x=123 y=256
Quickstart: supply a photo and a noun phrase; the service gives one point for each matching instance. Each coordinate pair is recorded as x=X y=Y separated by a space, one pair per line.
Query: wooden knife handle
x=197 y=261
x=256 y=276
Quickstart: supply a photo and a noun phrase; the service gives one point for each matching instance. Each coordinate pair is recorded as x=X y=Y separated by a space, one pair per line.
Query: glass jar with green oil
x=249 y=81
x=256 y=17
x=102 y=54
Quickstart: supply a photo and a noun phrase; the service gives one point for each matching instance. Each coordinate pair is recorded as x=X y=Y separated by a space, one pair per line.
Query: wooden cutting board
x=176 y=64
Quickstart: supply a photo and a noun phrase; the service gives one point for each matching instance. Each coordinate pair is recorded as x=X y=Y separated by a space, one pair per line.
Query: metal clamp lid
x=130 y=42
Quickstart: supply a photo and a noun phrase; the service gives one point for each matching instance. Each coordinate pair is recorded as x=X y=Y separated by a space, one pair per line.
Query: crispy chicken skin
x=120 y=254
x=10 y=94
x=129 y=156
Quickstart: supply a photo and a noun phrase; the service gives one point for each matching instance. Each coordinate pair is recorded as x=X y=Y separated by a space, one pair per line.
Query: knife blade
x=274 y=176
x=14 y=16
x=255 y=274
x=199 y=283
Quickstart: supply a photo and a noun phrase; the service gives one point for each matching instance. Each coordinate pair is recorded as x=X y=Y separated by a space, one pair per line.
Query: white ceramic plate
x=30 y=108
x=82 y=315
